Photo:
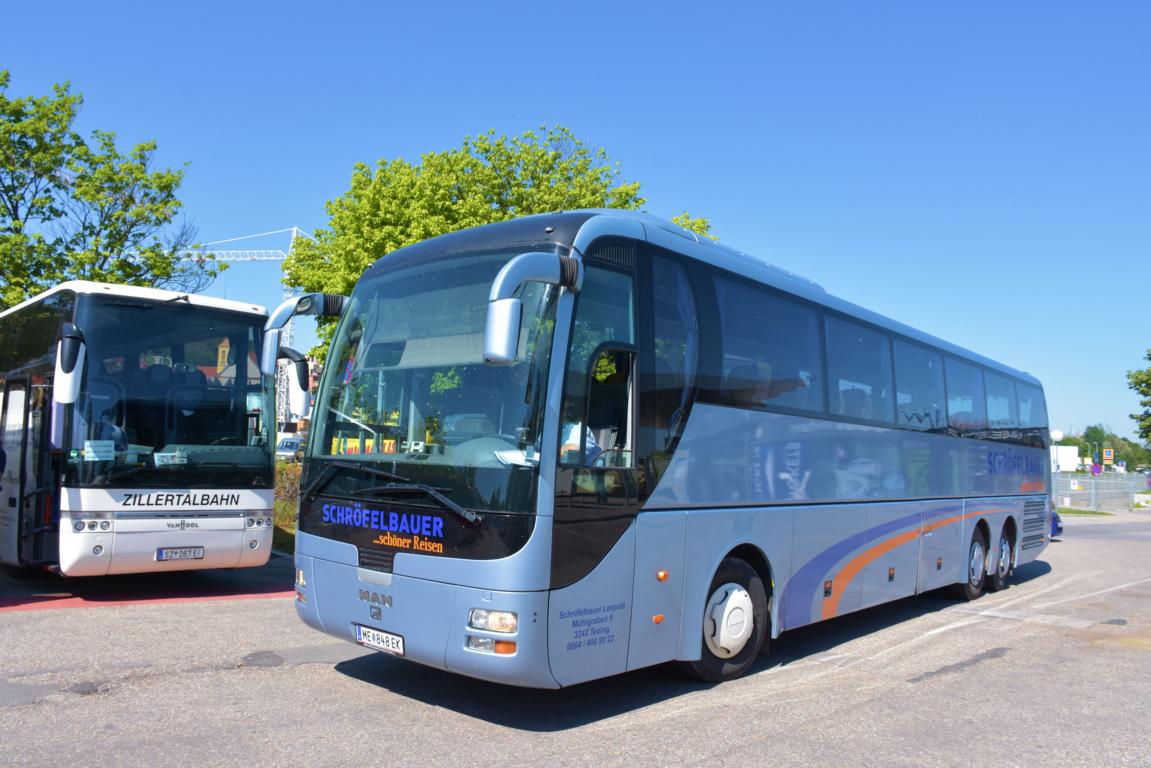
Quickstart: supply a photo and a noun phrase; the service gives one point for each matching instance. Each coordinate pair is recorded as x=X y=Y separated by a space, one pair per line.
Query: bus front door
x=27 y=512
x=15 y=419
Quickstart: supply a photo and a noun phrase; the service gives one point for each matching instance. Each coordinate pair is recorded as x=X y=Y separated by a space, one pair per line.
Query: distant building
x=1064 y=458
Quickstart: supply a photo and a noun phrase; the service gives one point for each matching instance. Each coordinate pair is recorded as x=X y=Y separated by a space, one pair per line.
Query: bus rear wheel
x=998 y=580
x=976 y=574
x=735 y=621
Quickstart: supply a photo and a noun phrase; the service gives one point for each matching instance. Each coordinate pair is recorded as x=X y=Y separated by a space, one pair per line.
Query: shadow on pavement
x=41 y=589
x=546 y=711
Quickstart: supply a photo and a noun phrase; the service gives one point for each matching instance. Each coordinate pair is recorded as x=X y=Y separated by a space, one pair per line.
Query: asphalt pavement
x=1053 y=671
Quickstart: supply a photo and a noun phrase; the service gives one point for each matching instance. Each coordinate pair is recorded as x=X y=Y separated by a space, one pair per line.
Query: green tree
x=1097 y=437
x=1140 y=382
x=700 y=226
x=488 y=179
x=70 y=209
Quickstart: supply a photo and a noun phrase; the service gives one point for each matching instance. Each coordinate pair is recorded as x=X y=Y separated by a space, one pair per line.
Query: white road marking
x=1035 y=618
x=1094 y=594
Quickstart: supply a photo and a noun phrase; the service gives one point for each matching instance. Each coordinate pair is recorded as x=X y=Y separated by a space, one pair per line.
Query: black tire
x=974 y=579
x=1002 y=555
x=711 y=667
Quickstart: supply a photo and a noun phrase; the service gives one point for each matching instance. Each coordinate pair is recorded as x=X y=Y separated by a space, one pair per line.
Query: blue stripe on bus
x=801 y=590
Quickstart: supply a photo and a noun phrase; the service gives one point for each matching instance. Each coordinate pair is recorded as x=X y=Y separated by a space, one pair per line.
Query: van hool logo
x=180 y=500
x=183 y=525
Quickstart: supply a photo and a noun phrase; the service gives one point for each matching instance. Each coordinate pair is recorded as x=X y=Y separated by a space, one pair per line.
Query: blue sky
x=980 y=170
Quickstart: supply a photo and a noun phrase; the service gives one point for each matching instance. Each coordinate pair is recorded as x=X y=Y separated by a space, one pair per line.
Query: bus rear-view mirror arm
x=299 y=401
x=502 y=330
x=70 y=353
x=315 y=304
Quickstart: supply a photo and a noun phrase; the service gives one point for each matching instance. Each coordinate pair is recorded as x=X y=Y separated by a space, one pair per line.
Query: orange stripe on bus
x=861 y=561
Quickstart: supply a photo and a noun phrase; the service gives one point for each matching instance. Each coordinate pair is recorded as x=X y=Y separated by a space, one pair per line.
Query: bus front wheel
x=735 y=621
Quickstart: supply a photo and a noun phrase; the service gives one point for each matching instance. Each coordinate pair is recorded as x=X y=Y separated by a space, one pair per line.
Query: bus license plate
x=179 y=553
x=381 y=641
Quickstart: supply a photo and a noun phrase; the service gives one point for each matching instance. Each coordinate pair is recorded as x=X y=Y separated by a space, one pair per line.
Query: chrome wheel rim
x=1004 y=557
x=978 y=559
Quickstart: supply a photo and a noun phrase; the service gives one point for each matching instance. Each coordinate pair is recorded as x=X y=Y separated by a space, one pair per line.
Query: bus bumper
x=431 y=618
x=109 y=545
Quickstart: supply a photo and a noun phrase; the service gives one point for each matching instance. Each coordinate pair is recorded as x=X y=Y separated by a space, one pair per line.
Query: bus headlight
x=493 y=621
x=78 y=526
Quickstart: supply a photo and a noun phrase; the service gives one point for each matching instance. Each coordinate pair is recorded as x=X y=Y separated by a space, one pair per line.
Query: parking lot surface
x=214 y=668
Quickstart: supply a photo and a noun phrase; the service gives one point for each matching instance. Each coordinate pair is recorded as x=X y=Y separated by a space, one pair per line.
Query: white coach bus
x=567 y=446
x=136 y=432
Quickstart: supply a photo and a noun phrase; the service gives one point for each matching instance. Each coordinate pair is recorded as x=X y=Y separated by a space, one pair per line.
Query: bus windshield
x=172 y=397
x=407 y=391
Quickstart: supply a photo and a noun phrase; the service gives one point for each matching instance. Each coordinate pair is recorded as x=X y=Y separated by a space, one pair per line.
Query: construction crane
x=241 y=255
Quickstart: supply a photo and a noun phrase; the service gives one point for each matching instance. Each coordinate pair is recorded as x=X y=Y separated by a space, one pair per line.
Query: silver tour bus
x=136 y=432
x=566 y=446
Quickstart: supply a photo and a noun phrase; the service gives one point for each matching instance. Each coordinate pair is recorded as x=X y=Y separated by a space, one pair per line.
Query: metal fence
x=1108 y=494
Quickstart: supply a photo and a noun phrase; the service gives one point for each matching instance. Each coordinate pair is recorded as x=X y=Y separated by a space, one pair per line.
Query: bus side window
x=859 y=371
x=919 y=389
x=1002 y=407
x=966 y=404
x=770 y=349
x=610 y=405
x=597 y=392
x=675 y=349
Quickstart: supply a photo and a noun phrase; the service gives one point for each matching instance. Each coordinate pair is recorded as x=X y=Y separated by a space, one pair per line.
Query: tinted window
x=1032 y=411
x=28 y=337
x=1002 y=412
x=859 y=371
x=676 y=347
x=966 y=406
x=605 y=312
x=771 y=350
x=919 y=392
x=176 y=402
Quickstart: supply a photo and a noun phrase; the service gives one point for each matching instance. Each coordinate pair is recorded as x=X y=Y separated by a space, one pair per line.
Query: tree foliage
x=1096 y=437
x=489 y=178
x=700 y=226
x=76 y=209
x=1140 y=382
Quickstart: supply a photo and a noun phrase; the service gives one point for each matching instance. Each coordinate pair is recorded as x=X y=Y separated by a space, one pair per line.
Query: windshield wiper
x=425 y=490
x=327 y=473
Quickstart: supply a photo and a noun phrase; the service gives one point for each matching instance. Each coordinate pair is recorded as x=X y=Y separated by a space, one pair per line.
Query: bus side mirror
x=270 y=352
x=505 y=311
x=70 y=353
x=299 y=399
x=315 y=304
x=502 y=331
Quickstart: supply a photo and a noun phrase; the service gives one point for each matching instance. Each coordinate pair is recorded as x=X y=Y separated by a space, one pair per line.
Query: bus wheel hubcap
x=1004 y=557
x=729 y=620
x=977 y=561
